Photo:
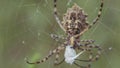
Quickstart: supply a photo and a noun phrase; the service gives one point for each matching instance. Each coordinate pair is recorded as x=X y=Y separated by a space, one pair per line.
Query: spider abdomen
x=74 y=21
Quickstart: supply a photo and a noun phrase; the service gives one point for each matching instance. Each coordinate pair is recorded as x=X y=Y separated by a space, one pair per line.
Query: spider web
x=26 y=26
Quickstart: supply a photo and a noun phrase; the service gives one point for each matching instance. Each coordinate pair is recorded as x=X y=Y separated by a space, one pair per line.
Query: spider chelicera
x=74 y=24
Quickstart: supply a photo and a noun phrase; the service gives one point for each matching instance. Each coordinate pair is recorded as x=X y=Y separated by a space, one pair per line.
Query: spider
x=74 y=25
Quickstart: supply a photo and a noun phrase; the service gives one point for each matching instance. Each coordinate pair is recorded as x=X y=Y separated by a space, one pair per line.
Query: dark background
x=26 y=25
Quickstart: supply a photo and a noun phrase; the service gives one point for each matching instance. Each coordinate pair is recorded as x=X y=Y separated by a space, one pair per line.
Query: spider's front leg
x=56 y=16
x=57 y=37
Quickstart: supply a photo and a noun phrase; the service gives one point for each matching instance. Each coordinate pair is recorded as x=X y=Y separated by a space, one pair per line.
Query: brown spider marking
x=75 y=20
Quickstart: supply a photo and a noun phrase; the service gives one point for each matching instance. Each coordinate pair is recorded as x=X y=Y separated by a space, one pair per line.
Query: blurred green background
x=26 y=25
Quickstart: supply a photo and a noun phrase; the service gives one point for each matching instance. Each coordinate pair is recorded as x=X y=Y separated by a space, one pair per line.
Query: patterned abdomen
x=74 y=21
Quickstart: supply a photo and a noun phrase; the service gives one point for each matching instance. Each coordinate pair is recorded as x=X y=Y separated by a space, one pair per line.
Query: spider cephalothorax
x=74 y=24
x=75 y=20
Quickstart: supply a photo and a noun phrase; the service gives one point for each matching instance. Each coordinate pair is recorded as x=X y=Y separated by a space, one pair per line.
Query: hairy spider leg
x=88 y=46
x=56 y=15
x=57 y=57
x=59 y=48
x=94 y=21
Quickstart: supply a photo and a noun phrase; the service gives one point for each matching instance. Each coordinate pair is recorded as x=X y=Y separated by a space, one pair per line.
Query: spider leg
x=84 y=43
x=47 y=57
x=57 y=37
x=61 y=61
x=56 y=60
x=44 y=59
x=88 y=46
x=94 y=21
x=57 y=57
x=91 y=58
x=82 y=60
x=89 y=49
x=88 y=66
x=88 y=60
x=56 y=15
x=90 y=41
x=99 y=14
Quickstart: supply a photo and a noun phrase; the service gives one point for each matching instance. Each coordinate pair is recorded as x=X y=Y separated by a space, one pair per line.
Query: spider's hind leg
x=99 y=50
x=43 y=60
x=57 y=57
x=48 y=56
x=88 y=45
x=88 y=66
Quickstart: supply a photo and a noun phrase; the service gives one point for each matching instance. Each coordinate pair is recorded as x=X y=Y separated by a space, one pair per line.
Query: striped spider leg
x=88 y=46
x=55 y=51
